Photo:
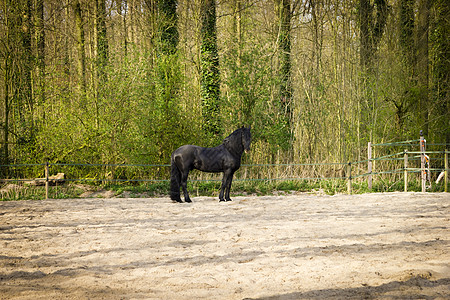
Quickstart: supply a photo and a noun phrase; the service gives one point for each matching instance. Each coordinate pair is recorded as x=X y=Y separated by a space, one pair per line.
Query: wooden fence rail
x=424 y=162
x=405 y=155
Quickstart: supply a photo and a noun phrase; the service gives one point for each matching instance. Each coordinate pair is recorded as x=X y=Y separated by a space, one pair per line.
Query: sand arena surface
x=388 y=246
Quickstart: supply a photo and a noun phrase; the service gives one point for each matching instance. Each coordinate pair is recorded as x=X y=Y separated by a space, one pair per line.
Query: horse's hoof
x=229 y=200
x=188 y=201
x=221 y=200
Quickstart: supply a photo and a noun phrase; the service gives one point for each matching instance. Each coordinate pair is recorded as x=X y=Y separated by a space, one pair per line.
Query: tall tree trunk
x=422 y=62
x=365 y=23
x=167 y=73
x=102 y=54
x=40 y=50
x=5 y=126
x=209 y=72
x=26 y=86
x=371 y=29
x=372 y=22
x=152 y=21
x=123 y=9
x=81 y=58
x=318 y=27
x=407 y=31
x=441 y=70
x=6 y=68
x=237 y=30
x=102 y=41
x=284 y=48
x=403 y=103
x=168 y=21
x=66 y=60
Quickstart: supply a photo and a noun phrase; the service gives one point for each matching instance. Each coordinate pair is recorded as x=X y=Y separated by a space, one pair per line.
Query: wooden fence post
x=405 y=172
x=422 y=162
x=349 y=183
x=446 y=170
x=369 y=165
x=46 y=180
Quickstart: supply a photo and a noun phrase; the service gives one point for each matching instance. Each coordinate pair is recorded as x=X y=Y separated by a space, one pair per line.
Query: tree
x=81 y=58
x=167 y=75
x=372 y=22
x=372 y=26
x=126 y=80
x=406 y=97
x=406 y=35
x=25 y=86
x=40 y=51
x=167 y=22
x=440 y=54
x=6 y=67
x=283 y=8
x=102 y=40
x=209 y=70
x=422 y=63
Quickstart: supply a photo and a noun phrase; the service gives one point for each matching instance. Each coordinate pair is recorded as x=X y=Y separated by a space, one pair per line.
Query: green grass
x=25 y=192
x=209 y=188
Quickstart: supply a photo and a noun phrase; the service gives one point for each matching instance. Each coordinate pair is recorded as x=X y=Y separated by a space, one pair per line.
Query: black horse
x=224 y=158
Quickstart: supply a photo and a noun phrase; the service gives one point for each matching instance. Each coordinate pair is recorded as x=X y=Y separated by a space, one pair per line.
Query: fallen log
x=52 y=180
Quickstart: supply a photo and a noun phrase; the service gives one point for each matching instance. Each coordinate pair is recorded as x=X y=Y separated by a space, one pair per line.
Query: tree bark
x=441 y=69
x=284 y=48
x=81 y=58
x=365 y=18
x=422 y=62
x=26 y=87
x=209 y=70
x=102 y=41
x=168 y=21
x=40 y=53
x=6 y=79
x=407 y=30
x=124 y=15
x=371 y=29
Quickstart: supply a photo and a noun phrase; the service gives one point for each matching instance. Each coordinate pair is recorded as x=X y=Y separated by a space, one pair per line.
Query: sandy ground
x=388 y=246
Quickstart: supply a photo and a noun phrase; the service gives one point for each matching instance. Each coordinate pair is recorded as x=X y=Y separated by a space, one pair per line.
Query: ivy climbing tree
x=209 y=70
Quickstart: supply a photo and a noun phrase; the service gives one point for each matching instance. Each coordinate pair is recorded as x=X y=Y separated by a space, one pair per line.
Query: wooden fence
x=272 y=172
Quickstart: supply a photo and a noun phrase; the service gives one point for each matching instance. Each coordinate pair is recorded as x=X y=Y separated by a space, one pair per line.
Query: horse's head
x=246 y=138
x=239 y=141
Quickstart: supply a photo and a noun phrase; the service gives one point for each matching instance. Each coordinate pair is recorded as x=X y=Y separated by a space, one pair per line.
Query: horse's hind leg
x=184 y=178
x=222 y=188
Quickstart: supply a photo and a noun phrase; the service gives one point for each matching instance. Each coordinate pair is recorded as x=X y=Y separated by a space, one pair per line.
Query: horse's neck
x=235 y=151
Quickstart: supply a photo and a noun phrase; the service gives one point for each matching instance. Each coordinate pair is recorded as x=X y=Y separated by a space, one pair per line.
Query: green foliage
x=209 y=73
x=246 y=188
x=440 y=53
x=249 y=84
x=167 y=26
x=154 y=83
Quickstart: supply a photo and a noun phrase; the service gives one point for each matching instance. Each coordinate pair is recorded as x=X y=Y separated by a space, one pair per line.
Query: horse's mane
x=233 y=142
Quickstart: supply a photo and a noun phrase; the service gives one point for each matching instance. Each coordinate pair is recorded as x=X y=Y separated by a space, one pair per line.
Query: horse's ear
x=226 y=141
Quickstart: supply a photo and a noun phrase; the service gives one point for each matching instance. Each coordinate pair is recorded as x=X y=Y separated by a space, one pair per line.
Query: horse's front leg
x=226 y=185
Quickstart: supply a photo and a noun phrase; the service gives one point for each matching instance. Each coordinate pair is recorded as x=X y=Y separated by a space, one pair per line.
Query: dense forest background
x=129 y=81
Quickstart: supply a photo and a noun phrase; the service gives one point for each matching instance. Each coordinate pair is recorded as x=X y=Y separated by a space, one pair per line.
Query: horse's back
x=203 y=159
x=185 y=151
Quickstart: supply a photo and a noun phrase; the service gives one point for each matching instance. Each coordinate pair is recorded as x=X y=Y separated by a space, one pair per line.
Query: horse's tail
x=175 y=179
